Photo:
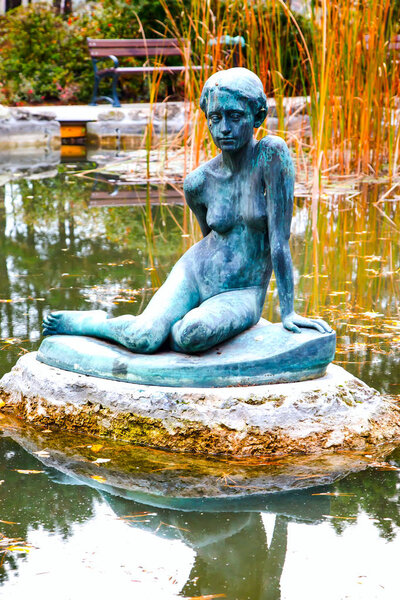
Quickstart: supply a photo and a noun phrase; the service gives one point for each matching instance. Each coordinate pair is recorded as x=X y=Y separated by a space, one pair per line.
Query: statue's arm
x=279 y=184
x=193 y=188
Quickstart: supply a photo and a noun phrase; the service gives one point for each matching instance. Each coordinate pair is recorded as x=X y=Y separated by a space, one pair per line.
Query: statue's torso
x=236 y=252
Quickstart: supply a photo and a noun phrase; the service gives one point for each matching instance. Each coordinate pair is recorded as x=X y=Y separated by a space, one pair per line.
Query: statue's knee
x=192 y=335
x=144 y=337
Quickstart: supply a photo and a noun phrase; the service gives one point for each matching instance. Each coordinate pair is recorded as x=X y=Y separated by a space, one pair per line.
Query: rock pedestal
x=336 y=411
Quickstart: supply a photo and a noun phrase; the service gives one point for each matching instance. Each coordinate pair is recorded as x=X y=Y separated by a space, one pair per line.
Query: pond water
x=86 y=518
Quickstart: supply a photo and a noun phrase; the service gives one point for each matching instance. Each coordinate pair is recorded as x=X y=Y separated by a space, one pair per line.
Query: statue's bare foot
x=74 y=322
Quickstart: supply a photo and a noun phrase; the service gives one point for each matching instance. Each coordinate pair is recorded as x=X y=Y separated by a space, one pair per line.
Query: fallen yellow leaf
x=339 y=517
x=2 y=403
x=9 y=522
x=18 y=549
x=96 y=447
x=208 y=597
x=332 y=494
x=98 y=478
x=27 y=471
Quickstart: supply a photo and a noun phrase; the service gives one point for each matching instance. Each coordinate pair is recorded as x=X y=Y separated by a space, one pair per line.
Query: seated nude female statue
x=243 y=201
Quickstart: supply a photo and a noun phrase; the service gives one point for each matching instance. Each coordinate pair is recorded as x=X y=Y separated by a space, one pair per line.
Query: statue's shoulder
x=273 y=148
x=273 y=144
x=194 y=182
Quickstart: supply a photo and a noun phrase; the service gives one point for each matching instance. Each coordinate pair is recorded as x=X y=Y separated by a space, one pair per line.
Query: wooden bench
x=158 y=49
x=139 y=196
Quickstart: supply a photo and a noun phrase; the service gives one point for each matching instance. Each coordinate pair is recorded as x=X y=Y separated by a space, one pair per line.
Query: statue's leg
x=144 y=333
x=217 y=319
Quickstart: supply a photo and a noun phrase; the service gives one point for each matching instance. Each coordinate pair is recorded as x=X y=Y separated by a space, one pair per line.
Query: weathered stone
x=336 y=411
x=5 y=113
x=22 y=114
x=127 y=135
x=24 y=133
x=116 y=127
x=168 y=110
x=23 y=163
x=19 y=114
x=42 y=115
x=111 y=115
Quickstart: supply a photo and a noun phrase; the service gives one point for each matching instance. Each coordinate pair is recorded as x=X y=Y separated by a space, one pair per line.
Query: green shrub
x=33 y=40
x=44 y=57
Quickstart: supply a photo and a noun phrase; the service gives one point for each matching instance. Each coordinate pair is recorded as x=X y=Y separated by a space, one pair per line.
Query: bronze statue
x=243 y=201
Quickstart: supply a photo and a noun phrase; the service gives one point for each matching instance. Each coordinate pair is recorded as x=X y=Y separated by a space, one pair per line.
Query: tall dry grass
x=340 y=57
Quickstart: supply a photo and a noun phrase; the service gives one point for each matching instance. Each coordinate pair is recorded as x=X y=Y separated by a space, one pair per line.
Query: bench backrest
x=138 y=47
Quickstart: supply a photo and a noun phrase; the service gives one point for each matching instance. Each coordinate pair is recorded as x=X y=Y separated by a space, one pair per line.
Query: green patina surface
x=243 y=202
x=263 y=354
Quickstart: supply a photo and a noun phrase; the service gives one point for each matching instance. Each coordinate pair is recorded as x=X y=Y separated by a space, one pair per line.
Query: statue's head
x=234 y=103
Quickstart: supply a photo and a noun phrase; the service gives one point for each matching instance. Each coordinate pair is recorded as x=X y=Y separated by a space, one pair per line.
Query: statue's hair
x=243 y=83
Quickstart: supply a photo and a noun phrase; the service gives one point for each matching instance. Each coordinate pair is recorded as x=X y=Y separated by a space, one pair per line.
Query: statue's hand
x=293 y=322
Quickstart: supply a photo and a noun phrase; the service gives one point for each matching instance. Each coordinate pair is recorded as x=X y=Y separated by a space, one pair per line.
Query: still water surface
x=65 y=243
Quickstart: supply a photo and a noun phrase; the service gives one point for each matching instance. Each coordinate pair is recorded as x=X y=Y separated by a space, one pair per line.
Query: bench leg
x=114 y=94
x=95 y=91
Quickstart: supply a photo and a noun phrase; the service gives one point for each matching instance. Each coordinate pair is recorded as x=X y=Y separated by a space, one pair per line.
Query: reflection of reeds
x=358 y=267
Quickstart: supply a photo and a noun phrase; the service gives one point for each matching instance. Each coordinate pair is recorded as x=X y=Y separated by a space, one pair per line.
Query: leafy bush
x=44 y=57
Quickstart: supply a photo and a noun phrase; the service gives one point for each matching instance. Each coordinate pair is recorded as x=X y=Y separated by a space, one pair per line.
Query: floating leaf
x=27 y=471
x=339 y=517
x=98 y=478
x=138 y=515
x=383 y=466
x=96 y=447
x=9 y=522
x=334 y=494
x=370 y=259
x=208 y=597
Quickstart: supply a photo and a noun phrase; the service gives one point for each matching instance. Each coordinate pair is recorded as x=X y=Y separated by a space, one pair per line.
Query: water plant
x=340 y=58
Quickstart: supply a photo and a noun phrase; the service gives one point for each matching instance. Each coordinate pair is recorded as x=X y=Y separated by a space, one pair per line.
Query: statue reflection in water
x=233 y=555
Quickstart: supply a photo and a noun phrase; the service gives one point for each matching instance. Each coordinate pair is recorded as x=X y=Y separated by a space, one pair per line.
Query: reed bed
x=339 y=56
x=337 y=70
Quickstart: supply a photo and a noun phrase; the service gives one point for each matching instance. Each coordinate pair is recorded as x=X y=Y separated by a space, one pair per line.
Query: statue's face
x=230 y=120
